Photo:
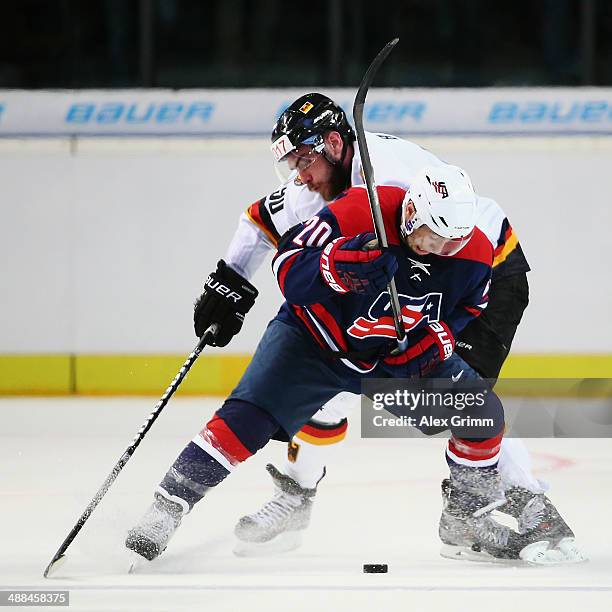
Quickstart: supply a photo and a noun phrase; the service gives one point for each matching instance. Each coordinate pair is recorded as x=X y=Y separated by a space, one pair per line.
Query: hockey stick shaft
x=368 y=173
x=129 y=451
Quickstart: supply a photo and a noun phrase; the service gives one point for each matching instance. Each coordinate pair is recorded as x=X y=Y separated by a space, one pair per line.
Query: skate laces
x=278 y=509
x=477 y=491
x=162 y=518
x=532 y=515
x=536 y=513
x=489 y=530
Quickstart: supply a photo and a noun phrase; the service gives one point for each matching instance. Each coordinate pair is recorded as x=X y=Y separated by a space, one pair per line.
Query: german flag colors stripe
x=320 y=434
x=259 y=215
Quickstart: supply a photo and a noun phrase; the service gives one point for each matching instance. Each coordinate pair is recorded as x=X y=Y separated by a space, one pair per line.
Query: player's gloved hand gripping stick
x=227 y=297
x=357 y=265
x=368 y=172
x=220 y=310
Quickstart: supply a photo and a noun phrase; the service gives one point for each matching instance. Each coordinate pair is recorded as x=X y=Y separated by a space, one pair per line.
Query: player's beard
x=337 y=183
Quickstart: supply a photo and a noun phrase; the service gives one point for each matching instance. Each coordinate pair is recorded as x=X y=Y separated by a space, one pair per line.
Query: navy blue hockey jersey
x=431 y=288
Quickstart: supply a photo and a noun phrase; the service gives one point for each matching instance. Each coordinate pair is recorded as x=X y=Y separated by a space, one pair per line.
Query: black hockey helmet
x=306 y=121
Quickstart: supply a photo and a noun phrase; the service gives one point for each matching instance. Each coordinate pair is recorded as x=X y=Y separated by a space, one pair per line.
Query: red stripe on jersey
x=299 y=311
x=330 y=323
x=225 y=440
x=318 y=432
x=473 y=311
x=502 y=241
x=479 y=248
x=468 y=449
x=284 y=268
x=354 y=216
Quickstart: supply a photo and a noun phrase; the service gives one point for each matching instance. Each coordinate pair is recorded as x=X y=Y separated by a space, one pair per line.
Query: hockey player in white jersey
x=317 y=145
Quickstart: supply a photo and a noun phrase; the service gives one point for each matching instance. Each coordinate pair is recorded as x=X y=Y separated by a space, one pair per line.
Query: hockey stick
x=59 y=555
x=368 y=173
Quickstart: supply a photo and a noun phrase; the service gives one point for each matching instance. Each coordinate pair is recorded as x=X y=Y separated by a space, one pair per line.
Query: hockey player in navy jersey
x=322 y=142
x=343 y=233
x=315 y=136
x=334 y=329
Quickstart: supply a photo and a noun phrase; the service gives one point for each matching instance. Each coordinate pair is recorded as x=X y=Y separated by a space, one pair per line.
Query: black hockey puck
x=375 y=568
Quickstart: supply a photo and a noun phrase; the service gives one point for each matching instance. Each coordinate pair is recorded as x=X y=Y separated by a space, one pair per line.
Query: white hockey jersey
x=395 y=161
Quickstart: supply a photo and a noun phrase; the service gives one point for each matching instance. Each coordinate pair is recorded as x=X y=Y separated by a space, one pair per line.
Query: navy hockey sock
x=236 y=431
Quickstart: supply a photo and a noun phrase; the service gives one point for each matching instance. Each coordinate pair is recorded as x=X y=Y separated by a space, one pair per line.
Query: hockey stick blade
x=368 y=173
x=59 y=556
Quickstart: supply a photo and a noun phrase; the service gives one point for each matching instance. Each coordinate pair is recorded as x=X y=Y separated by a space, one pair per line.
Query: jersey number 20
x=315 y=233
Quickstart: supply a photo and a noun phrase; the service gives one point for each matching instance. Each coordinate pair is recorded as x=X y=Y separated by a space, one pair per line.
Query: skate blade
x=282 y=543
x=133 y=564
x=465 y=553
x=54 y=566
x=134 y=561
x=564 y=552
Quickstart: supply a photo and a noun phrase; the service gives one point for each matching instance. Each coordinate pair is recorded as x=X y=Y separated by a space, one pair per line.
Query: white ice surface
x=379 y=504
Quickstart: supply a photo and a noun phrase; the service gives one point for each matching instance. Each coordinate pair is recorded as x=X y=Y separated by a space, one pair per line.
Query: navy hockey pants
x=287 y=381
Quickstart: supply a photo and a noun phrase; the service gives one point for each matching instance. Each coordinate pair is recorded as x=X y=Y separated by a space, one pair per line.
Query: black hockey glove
x=226 y=299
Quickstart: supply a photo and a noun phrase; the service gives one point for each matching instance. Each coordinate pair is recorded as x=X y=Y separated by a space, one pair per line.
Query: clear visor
x=422 y=239
x=427 y=240
x=296 y=162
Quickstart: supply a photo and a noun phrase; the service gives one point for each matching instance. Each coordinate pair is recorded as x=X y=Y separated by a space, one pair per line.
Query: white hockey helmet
x=443 y=199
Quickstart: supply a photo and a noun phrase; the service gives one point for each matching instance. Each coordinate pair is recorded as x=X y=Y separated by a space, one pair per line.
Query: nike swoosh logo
x=456 y=377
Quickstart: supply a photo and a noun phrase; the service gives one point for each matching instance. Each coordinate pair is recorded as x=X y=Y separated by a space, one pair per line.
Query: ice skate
x=151 y=535
x=466 y=527
x=527 y=528
x=277 y=525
